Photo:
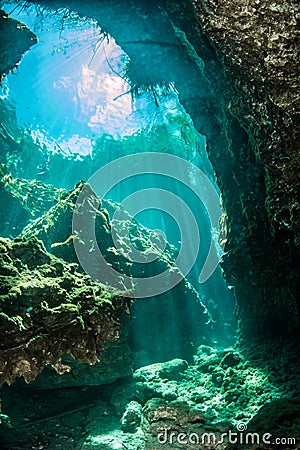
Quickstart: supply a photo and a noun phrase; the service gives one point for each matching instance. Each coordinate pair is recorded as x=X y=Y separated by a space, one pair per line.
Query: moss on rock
x=48 y=310
x=22 y=201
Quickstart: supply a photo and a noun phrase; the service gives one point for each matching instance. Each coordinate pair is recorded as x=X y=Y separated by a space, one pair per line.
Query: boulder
x=48 y=310
x=132 y=417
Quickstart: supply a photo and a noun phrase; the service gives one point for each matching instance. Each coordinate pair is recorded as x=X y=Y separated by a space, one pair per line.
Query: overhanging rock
x=15 y=40
x=48 y=310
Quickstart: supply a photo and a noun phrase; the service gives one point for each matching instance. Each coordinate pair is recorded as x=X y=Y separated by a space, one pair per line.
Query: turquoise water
x=89 y=93
x=78 y=112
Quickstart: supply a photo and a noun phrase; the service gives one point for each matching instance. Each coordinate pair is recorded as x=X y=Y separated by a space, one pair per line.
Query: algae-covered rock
x=22 y=201
x=280 y=418
x=222 y=393
x=115 y=440
x=277 y=424
x=175 y=426
x=231 y=359
x=48 y=310
x=151 y=316
x=160 y=380
x=54 y=228
x=132 y=417
x=109 y=219
x=13 y=216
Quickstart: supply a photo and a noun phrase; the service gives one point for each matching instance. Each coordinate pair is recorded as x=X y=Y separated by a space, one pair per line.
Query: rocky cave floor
x=219 y=391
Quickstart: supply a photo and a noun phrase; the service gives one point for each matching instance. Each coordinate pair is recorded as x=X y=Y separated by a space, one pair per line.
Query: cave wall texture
x=250 y=54
x=257 y=43
x=249 y=49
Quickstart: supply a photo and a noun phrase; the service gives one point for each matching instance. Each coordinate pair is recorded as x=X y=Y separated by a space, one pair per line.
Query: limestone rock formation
x=132 y=417
x=255 y=46
x=22 y=201
x=48 y=310
x=54 y=228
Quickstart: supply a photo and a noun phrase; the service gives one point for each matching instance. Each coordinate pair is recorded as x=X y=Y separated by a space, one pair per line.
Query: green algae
x=48 y=305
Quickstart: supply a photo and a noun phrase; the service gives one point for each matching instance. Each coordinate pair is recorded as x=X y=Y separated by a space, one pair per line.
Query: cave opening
x=86 y=107
x=121 y=158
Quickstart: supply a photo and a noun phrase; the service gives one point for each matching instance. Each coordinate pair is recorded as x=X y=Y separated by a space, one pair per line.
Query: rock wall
x=48 y=310
x=256 y=43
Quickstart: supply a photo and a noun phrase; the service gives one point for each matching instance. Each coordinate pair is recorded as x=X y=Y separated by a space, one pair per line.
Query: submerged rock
x=281 y=418
x=174 y=426
x=48 y=310
x=170 y=370
x=22 y=201
x=160 y=380
x=13 y=216
x=115 y=440
x=132 y=417
x=222 y=393
x=231 y=359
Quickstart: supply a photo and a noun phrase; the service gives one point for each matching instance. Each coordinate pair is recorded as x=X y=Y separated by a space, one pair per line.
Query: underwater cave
x=149 y=225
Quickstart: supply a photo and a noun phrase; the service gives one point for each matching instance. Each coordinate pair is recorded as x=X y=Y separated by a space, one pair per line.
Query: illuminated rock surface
x=49 y=310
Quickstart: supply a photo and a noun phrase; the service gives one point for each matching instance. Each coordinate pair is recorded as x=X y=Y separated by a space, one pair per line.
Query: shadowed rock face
x=15 y=39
